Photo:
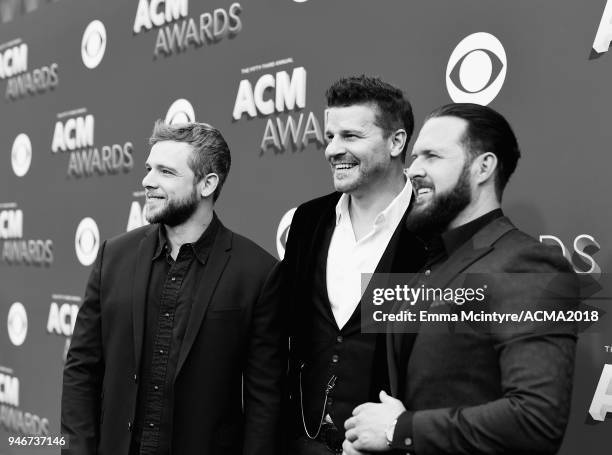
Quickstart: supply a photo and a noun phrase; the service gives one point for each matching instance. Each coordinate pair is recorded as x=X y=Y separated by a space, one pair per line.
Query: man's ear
x=208 y=185
x=486 y=164
x=398 y=139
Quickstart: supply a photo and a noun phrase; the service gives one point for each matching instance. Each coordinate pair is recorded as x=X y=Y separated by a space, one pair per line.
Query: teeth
x=423 y=191
x=344 y=166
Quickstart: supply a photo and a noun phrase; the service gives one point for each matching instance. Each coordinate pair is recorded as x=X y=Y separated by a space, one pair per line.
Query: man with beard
x=461 y=388
x=334 y=366
x=177 y=347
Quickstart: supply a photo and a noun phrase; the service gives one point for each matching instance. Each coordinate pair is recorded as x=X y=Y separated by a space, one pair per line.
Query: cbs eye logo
x=87 y=241
x=93 y=44
x=17 y=324
x=283 y=232
x=21 y=155
x=476 y=69
x=181 y=111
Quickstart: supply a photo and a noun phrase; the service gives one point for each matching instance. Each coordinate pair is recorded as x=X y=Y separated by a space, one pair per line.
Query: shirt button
x=330 y=401
x=129 y=426
x=339 y=339
x=335 y=358
x=408 y=441
x=167 y=315
x=156 y=388
x=427 y=272
x=135 y=378
x=151 y=425
x=173 y=278
x=161 y=351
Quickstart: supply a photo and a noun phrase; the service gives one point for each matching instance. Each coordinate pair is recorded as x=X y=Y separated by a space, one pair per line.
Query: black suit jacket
x=311 y=222
x=234 y=332
x=495 y=391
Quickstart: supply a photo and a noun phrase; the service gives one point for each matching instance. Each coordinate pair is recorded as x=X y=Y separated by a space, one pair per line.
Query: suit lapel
x=219 y=256
x=146 y=249
x=399 y=345
x=321 y=239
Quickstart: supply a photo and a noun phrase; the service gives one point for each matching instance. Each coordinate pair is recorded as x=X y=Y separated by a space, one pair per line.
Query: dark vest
x=353 y=362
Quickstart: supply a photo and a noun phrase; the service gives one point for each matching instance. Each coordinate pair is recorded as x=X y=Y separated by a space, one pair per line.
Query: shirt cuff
x=402 y=435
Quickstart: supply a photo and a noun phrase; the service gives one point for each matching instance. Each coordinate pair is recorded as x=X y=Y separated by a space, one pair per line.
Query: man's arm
x=536 y=364
x=536 y=369
x=266 y=361
x=83 y=373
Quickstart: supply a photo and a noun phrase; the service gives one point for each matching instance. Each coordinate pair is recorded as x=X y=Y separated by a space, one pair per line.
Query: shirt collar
x=454 y=238
x=200 y=247
x=394 y=211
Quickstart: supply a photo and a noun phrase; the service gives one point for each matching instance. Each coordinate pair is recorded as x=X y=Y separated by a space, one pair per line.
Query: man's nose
x=148 y=181
x=416 y=170
x=333 y=148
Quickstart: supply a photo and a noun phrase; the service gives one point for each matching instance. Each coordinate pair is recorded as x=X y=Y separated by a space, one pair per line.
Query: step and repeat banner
x=82 y=83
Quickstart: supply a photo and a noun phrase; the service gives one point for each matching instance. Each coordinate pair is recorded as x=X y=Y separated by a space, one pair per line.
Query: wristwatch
x=389 y=433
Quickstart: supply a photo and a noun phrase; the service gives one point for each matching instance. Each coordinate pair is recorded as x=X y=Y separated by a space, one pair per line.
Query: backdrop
x=82 y=82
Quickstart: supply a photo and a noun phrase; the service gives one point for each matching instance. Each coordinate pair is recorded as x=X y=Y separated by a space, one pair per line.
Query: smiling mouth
x=343 y=166
x=421 y=193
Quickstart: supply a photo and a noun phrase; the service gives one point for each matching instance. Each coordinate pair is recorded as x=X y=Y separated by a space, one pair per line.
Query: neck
x=365 y=206
x=477 y=208
x=189 y=231
x=370 y=203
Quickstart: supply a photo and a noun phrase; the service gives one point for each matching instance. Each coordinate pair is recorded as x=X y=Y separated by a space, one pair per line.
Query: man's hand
x=348 y=449
x=366 y=429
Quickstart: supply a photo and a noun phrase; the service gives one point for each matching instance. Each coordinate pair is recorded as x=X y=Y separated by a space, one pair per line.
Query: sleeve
x=265 y=370
x=536 y=366
x=83 y=373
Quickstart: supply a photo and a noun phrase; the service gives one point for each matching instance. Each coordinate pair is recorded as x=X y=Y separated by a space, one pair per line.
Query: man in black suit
x=177 y=347
x=332 y=241
x=479 y=389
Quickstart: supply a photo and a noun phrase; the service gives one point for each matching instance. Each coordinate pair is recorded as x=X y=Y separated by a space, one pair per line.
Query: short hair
x=210 y=152
x=487 y=131
x=394 y=110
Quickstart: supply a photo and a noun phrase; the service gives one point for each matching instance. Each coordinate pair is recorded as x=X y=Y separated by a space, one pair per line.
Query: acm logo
x=602 y=400
x=603 y=37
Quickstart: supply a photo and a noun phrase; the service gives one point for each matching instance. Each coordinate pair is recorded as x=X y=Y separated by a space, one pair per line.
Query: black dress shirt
x=169 y=298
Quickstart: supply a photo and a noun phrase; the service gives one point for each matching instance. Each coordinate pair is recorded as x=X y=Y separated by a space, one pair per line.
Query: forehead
x=170 y=153
x=349 y=117
x=441 y=134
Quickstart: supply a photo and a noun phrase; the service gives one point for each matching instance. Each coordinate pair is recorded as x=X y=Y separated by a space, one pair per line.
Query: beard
x=443 y=208
x=175 y=212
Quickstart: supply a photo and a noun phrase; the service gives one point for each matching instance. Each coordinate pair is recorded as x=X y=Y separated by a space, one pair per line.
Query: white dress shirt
x=347 y=258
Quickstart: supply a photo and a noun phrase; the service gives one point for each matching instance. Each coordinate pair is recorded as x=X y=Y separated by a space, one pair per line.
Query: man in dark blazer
x=177 y=347
x=477 y=388
x=332 y=240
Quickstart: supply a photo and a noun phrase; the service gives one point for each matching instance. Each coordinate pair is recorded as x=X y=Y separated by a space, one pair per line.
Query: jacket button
x=427 y=272
x=129 y=426
x=408 y=441
x=335 y=358
x=136 y=378
x=339 y=339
